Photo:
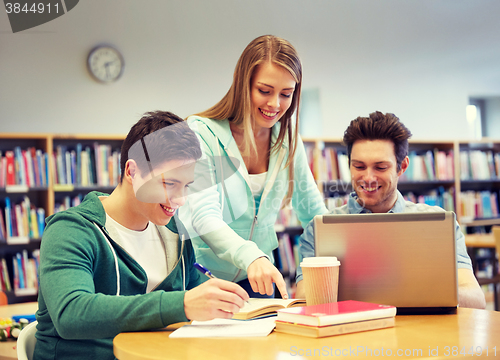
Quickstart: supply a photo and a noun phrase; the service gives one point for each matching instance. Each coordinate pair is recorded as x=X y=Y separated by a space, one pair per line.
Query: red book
x=11 y=169
x=24 y=164
x=36 y=170
x=335 y=313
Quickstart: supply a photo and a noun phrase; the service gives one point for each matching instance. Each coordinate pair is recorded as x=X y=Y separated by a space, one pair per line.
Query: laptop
x=407 y=260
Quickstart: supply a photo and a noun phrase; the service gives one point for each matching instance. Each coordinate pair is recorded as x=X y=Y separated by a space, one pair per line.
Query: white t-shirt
x=257 y=183
x=146 y=247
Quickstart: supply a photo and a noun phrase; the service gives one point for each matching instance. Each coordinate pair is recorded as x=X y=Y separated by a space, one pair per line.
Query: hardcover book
x=330 y=330
x=336 y=313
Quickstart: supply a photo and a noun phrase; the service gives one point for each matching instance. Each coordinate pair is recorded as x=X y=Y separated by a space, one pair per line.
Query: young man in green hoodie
x=119 y=262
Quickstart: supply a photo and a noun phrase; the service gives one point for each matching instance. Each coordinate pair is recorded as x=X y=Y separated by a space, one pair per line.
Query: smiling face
x=374 y=174
x=160 y=196
x=271 y=93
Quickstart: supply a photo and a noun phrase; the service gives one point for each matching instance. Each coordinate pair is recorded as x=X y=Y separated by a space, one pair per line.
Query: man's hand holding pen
x=214 y=298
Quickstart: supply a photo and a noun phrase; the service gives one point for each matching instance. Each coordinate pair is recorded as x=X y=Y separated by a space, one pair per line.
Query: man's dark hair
x=379 y=127
x=177 y=142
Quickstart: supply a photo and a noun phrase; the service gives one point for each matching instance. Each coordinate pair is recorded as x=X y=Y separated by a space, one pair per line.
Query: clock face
x=105 y=63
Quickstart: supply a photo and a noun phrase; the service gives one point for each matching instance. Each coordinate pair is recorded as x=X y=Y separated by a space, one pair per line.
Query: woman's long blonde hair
x=236 y=105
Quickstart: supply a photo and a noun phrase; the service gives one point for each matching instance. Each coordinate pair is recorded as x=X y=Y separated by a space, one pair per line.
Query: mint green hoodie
x=223 y=218
x=79 y=311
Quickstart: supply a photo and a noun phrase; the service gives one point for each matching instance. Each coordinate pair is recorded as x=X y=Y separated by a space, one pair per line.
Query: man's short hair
x=379 y=127
x=177 y=142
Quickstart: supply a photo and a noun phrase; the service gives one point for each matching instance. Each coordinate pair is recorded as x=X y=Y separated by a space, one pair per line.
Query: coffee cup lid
x=318 y=261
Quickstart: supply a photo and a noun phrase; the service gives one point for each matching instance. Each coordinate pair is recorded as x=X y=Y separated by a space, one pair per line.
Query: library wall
x=493 y=117
x=416 y=60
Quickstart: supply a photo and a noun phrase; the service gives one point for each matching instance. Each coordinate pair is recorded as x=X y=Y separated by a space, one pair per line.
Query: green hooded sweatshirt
x=82 y=270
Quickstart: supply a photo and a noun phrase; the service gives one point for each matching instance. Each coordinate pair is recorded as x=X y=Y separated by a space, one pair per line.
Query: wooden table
x=8 y=348
x=413 y=337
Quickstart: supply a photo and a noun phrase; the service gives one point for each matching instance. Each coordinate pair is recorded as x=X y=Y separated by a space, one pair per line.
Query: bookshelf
x=430 y=183
x=461 y=176
x=46 y=188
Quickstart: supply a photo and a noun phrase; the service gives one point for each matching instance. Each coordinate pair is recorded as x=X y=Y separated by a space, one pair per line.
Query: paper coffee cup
x=321 y=279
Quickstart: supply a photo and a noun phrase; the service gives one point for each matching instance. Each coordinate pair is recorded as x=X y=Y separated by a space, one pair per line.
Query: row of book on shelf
x=430 y=166
x=67 y=202
x=99 y=165
x=25 y=270
x=479 y=165
x=87 y=166
x=24 y=167
x=21 y=222
x=479 y=204
x=444 y=198
x=435 y=197
x=82 y=166
x=332 y=164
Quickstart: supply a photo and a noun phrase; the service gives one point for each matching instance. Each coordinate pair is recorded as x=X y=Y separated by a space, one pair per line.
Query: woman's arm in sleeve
x=205 y=208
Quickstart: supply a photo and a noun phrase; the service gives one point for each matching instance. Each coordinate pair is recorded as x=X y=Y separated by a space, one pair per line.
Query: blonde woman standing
x=253 y=130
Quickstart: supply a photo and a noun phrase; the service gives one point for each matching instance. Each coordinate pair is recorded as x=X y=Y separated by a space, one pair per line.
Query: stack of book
x=342 y=317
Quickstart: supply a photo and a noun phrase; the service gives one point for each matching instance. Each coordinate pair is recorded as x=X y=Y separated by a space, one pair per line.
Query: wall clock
x=105 y=63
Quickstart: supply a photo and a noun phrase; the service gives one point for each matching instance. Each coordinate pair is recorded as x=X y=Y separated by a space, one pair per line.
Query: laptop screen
x=404 y=260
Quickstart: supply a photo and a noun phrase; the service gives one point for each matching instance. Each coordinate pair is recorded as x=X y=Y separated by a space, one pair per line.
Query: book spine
x=74 y=179
x=284 y=263
x=36 y=168
x=3 y=231
x=41 y=220
x=10 y=168
x=2 y=177
x=39 y=169
x=19 y=220
x=2 y=280
x=19 y=166
x=46 y=163
x=16 y=272
x=79 y=164
x=34 y=224
x=29 y=168
x=59 y=165
x=24 y=264
x=98 y=165
x=5 y=272
x=25 y=211
x=19 y=270
x=8 y=220
x=67 y=166
x=91 y=166
x=85 y=169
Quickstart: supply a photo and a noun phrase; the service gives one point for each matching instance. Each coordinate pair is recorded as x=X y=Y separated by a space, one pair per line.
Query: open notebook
x=257 y=307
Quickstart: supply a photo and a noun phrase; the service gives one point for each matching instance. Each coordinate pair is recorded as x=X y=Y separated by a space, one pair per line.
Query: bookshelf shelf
x=45 y=195
x=76 y=188
x=481 y=222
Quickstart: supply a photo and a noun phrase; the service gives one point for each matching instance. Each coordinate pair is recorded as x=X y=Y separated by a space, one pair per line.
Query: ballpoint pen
x=203 y=270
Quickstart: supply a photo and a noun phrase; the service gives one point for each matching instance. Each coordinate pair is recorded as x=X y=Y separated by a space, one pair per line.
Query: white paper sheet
x=226 y=328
